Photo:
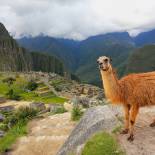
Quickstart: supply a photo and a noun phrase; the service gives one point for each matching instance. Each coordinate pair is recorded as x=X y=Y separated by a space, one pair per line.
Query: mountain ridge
x=16 y=58
x=80 y=56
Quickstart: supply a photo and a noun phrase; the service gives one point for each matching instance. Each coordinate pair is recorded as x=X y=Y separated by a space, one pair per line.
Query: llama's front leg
x=126 y=116
x=133 y=115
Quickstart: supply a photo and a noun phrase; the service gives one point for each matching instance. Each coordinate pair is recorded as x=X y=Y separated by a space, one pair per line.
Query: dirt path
x=144 y=143
x=16 y=104
x=45 y=136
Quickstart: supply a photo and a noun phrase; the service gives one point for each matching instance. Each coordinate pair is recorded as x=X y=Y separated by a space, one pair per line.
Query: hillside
x=145 y=38
x=80 y=56
x=61 y=48
x=141 y=60
x=15 y=58
x=115 y=45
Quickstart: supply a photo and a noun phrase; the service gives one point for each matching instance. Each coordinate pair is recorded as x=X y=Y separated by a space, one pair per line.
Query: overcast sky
x=76 y=19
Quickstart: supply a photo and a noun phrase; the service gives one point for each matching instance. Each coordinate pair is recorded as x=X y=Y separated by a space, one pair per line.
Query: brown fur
x=132 y=91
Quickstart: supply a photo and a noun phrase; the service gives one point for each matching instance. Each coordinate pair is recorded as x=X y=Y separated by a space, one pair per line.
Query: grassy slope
x=102 y=144
x=141 y=60
x=18 y=86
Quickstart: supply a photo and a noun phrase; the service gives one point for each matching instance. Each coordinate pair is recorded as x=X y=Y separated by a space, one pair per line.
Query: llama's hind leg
x=126 y=115
x=133 y=115
x=153 y=123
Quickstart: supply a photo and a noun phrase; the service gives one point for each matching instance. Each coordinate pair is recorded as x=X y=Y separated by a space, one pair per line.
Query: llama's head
x=104 y=63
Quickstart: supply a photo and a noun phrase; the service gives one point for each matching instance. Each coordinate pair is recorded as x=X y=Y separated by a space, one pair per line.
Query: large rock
x=38 y=106
x=8 y=108
x=1 y=118
x=95 y=119
x=2 y=133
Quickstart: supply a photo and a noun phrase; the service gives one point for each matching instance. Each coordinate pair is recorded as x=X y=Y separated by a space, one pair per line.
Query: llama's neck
x=111 y=86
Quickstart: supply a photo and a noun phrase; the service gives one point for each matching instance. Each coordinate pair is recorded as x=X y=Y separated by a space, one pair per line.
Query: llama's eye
x=105 y=60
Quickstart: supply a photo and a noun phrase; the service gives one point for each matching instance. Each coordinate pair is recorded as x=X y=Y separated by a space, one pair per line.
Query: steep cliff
x=15 y=58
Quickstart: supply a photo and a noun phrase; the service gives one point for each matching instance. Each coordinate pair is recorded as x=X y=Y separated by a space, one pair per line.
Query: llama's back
x=139 y=88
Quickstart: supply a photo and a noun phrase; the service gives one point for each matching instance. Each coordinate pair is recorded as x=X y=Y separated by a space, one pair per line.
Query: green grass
x=102 y=144
x=18 y=88
x=17 y=131
x=31 y=96
x=57 y=82
x=18 y=121
x=59 y=110
x=3 y=88
x=76 y=113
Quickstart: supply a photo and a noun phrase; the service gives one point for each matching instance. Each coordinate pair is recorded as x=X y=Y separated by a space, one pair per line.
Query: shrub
x=17 y=126
x=102 y=144
x=76 y=113
x=22 y=114
x=3 y=127
x=25 y=112
x=12 y=95
x=9 y=80
x=58 y=88
x=59 y=110
x=18 y=130
x=32 y=85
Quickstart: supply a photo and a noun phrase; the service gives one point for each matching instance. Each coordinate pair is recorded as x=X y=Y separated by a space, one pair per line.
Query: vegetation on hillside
x=76 y=113
x=16 y=126
x=23 y=89
x=141 y=60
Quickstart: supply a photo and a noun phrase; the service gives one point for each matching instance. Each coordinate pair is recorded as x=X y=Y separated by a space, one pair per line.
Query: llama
x=132 y=91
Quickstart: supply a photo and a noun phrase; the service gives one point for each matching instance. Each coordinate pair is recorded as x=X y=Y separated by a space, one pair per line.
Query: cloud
x=76 y=19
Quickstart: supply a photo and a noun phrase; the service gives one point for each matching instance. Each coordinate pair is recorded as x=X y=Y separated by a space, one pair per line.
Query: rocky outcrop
x=95 y=119
x=8 y=108
x=15 y=58
x=39 y=106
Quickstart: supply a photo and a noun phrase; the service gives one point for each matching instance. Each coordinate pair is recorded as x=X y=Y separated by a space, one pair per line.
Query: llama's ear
x=97 y=61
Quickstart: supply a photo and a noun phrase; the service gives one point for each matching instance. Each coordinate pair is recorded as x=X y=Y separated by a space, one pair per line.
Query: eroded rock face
x=95 y=119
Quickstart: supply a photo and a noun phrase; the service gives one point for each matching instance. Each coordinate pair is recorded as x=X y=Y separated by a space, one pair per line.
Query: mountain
x=141 y=60
x=61 y=48
x=145 y=38
x=15 y=58
x=80 y=56
x=116 y=45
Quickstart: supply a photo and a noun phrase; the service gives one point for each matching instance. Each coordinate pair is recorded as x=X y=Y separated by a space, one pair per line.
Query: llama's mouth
x=103 y=69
